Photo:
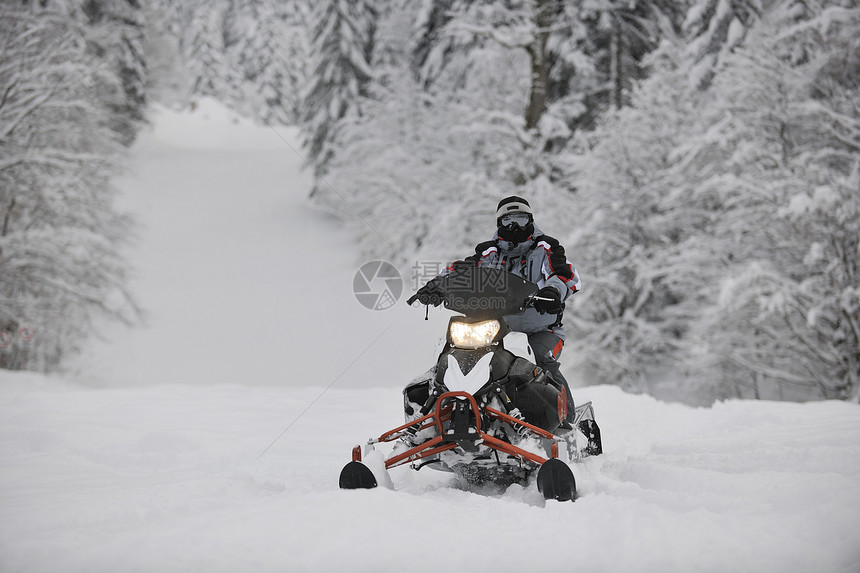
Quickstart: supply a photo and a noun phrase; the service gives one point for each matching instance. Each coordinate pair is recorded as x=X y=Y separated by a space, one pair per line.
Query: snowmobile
x=485 y=411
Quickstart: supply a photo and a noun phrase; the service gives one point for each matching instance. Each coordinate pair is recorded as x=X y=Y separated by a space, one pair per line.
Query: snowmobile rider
x=520 y=247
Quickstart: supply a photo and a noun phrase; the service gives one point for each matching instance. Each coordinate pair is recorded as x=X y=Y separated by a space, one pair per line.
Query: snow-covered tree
x=419 y=158
x=461 y=142
x=342 y=45
x=471 y=28
x=165 y=81
x=204 y=51
x=117 y=35
x=582 y=56
x=296 y=55
x=250 y=54
x=724 y=222
x=267 y=57
x=59 y=264
x=786 y=133
x=714 y=28
x=620 y=33
x=637 y=234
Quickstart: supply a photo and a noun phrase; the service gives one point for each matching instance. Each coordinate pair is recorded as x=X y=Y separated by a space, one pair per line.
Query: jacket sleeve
x=558 y=271
x=481 y=254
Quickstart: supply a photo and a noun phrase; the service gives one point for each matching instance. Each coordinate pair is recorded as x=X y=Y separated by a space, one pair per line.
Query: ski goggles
x=519 y=219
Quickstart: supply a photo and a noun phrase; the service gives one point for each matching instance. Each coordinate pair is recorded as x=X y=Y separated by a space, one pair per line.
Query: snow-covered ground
x=212 y=439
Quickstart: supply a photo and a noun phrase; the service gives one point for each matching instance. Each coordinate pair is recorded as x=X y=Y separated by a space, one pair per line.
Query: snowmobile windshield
x=484 y=293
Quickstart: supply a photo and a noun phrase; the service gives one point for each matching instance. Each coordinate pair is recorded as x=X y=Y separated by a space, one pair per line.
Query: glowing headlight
x=473 y=335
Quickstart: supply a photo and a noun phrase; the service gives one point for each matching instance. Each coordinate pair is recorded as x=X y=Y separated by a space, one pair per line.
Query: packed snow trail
x=242 y=281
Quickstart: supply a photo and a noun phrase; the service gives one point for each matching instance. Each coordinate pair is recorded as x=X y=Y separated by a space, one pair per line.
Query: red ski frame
x=437 y=445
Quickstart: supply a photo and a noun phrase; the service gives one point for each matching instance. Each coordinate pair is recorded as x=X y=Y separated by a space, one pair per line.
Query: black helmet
x=514 y=219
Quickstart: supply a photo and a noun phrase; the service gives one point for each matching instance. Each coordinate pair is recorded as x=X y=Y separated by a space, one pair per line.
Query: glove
x=430 y=294
x=548 y=306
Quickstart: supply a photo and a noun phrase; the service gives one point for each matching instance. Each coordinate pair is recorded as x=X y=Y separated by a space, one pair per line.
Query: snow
x=243 y=282
x=212 y=439
x=735 y=33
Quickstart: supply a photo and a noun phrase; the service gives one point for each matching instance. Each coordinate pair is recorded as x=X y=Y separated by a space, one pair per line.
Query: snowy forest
x=699 y=160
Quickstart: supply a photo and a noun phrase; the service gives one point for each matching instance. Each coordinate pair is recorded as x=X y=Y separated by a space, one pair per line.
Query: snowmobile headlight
x=473 y=334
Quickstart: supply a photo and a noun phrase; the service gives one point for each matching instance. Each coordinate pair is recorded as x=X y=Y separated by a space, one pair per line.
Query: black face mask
x=516 y=234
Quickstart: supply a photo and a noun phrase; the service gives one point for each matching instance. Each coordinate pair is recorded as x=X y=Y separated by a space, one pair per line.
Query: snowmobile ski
x=356 y=475
x=555 y=481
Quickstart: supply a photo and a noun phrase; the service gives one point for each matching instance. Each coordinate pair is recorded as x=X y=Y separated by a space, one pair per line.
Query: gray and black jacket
x=539 y=259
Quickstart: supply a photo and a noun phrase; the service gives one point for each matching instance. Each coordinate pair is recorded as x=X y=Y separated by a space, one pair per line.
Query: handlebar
x=425 y=299
x=466 y=291
x=534 y=297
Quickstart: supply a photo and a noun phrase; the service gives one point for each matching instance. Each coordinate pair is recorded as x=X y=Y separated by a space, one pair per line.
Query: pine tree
x=250 y=54
x=342 y=43
x=295 y=58
x=204 y=52
x=264 y=73
x=118 y=36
